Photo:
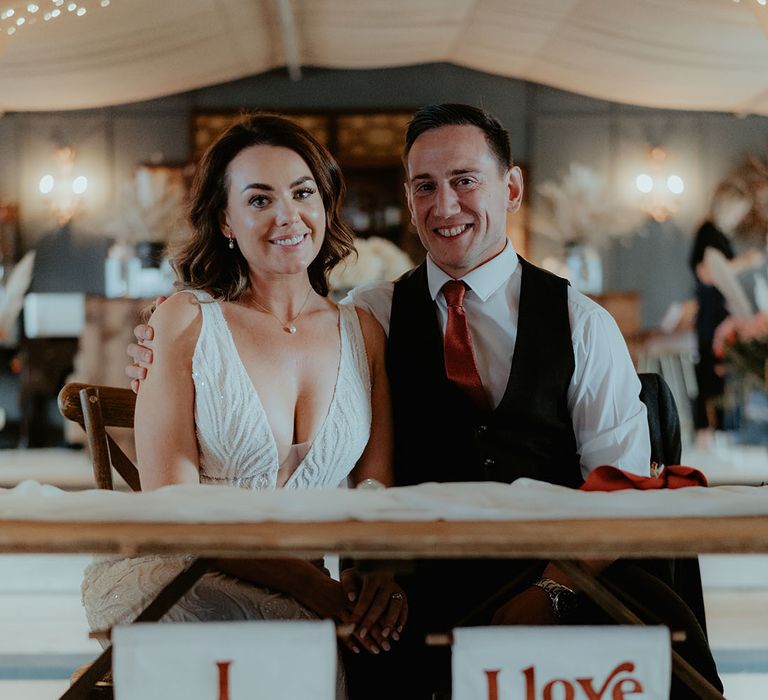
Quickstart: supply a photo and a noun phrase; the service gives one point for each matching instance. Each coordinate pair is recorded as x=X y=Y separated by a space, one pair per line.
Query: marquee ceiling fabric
x=680 y=54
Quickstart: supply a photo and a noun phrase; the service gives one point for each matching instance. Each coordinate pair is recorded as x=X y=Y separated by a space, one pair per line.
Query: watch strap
x=558 y=593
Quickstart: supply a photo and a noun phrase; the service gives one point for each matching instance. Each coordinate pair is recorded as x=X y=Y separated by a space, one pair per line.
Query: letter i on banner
x=223 y=667
x=493 y=683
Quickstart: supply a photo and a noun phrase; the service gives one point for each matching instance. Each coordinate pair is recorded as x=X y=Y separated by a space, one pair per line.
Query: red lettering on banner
x=567 y=689
x=570 y=693
x=223 y=667
x=619 y=693
x=530 y=683
x=586 y=683
x=493 y=683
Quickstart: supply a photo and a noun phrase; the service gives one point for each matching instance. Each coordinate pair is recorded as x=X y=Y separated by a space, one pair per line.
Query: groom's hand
x=529 y=607
x=141 y=351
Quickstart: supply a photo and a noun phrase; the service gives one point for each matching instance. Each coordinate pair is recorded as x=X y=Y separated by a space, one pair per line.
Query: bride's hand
x=329 y=600
x=381 y=607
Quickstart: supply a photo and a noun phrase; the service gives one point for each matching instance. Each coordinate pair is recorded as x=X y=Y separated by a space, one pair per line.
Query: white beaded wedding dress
x=237 y=448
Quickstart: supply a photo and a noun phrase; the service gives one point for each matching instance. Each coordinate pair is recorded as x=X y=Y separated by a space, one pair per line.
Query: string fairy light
x=15 y=16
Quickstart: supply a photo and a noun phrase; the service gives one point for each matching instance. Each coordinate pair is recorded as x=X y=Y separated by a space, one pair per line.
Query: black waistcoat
x=441 y=436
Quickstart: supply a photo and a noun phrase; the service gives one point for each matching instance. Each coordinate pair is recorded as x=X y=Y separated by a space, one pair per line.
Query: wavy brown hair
x=204 y=261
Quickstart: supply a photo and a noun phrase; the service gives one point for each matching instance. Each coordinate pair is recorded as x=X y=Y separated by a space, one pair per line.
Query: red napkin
x=612 y=479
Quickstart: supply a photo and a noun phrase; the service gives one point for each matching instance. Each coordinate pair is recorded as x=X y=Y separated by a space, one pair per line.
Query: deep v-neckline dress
x=237 y=448
x=243 y=452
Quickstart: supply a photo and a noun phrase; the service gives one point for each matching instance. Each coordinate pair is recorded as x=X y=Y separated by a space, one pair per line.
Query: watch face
x=564 y=604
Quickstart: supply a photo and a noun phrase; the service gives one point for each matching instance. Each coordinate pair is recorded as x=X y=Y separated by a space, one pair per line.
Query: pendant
x=290 y=328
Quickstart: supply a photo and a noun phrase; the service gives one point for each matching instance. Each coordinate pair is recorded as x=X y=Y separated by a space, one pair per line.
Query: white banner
x=561 y=663
x=225 y=661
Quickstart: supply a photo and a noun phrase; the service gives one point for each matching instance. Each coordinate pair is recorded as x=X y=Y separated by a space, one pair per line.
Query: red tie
x=460 y=366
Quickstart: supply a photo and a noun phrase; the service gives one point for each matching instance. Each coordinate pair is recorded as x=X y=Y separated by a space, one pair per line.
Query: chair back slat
x=96 y=408
x=123 y=466
x=97 y=437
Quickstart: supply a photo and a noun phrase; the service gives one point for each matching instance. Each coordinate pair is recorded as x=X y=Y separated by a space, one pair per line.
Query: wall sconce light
x=659 y=188
x=64 y=190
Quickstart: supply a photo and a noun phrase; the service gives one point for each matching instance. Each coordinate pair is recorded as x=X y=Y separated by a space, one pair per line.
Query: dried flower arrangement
x=152 y=206
x=376 y=259
x=750 y=176
x=578 y=209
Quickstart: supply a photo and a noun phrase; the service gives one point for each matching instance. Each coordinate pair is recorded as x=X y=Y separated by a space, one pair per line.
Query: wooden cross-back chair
x=96 y=408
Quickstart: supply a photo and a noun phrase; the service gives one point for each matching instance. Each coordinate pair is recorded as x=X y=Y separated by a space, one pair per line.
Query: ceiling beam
x=290 y=39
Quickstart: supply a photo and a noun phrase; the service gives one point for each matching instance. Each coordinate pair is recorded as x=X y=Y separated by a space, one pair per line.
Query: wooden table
x=543 y=539
x=562 y=541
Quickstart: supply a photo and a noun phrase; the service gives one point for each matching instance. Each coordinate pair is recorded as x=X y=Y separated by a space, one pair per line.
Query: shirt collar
x=483 y=280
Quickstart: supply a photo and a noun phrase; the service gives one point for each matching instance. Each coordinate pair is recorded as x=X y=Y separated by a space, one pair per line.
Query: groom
x=499 y=370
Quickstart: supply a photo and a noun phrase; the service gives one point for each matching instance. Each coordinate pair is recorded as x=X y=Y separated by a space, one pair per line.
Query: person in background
x=730 y=204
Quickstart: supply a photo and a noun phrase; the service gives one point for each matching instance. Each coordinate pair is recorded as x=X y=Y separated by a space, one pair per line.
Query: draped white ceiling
x=684 y=54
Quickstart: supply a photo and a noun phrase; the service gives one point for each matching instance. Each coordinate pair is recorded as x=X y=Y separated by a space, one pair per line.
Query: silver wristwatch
x=563 y=599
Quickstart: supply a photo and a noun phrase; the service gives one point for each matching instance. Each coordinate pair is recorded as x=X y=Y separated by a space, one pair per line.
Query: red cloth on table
x=608 y=478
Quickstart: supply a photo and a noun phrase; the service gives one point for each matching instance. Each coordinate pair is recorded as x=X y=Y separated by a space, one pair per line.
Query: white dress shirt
x=609 y=419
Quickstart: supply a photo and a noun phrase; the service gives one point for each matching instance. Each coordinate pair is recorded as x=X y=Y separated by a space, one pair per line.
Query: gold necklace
x=288 y=326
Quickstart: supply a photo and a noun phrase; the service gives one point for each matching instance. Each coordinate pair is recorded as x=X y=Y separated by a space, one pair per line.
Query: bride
x=260 y=381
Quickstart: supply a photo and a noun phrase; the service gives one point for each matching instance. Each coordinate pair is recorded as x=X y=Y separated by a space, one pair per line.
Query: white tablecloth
x=525 y=499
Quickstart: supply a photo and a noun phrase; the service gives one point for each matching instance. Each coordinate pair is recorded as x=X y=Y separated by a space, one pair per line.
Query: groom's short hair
x=435 y=116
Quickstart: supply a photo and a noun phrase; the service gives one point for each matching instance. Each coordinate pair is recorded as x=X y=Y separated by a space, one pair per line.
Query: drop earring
x=231 y=243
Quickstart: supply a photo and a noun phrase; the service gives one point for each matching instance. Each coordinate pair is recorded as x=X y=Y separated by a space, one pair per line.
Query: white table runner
x=525 y=499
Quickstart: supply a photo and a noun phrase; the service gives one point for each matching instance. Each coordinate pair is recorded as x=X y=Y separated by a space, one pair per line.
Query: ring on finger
x=397 y=595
